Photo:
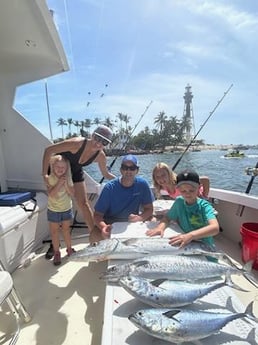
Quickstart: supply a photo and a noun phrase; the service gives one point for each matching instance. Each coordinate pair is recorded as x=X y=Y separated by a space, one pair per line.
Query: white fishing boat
x=69 y=304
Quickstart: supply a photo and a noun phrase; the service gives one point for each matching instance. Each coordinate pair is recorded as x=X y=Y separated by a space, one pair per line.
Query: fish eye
x=94 y=244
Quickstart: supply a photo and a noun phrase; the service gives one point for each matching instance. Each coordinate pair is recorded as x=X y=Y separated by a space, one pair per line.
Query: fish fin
x=245 y=269
x=230 y=283
x=140 y=263
x=197 y=342
x=229 y=305
x=248 y=274
x=249 y=312
x=158 y=282
x=171 y=313
x=251 y=336
x=129 y=241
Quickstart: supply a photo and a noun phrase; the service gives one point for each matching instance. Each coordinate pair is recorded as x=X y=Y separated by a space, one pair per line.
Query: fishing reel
x=251 y=171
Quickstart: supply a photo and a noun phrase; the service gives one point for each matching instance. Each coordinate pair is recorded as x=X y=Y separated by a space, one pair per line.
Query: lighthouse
x=188 y=119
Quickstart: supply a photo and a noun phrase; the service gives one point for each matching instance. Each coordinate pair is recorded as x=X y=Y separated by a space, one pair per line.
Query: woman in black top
x=81 y=152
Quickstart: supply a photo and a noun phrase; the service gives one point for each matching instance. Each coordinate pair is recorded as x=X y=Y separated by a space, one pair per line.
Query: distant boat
x=234 y=154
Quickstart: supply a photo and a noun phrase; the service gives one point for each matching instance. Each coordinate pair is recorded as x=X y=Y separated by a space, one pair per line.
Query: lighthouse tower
x=188 y=119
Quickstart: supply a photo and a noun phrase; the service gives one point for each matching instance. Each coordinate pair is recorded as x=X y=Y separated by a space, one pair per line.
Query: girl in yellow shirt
x=60 y=192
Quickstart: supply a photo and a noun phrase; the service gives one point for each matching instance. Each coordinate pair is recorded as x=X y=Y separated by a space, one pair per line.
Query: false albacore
x=174 y=267
x=115 y=248
x=181 y=325
x=168 y=293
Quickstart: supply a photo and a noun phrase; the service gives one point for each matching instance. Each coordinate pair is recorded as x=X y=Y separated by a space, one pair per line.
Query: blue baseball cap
x=130 y=158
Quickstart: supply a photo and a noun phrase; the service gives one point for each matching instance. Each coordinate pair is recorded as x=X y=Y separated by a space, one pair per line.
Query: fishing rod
x=253 y=172
x=129 y=137
x=193 y=139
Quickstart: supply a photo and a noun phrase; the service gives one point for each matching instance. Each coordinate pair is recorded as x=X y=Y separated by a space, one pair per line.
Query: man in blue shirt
x=127 y=198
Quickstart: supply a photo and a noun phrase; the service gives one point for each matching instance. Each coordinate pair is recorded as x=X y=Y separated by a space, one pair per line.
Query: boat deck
x=66 y=302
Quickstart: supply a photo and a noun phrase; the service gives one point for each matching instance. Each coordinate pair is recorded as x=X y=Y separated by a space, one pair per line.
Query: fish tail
x=230 y=283
x=249 y=312
x=250 y=277
x=246 y=271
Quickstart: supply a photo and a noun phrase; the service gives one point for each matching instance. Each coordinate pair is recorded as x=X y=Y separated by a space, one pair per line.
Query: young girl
x=164 y=181
x=60 y=190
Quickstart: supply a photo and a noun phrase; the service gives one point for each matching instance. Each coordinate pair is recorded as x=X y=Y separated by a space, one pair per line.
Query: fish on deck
x=188 y=268
x=180 y=325
x=168 y=293
x=126 y=249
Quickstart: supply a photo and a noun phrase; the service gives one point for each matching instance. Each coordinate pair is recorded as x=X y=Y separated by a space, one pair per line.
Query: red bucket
x=249 y=232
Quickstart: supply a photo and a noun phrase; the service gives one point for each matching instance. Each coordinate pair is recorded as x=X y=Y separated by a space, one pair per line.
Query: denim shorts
x=59 y=217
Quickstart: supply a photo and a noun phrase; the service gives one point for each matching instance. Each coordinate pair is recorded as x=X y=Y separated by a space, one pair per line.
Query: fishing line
x=129 y=136
x=193 y=139
x=125 y=143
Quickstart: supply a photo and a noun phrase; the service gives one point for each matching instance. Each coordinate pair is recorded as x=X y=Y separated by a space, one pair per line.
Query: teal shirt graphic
x=192 y=217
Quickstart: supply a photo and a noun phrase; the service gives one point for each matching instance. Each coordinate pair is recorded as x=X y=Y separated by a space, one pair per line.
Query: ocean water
x=224 y=173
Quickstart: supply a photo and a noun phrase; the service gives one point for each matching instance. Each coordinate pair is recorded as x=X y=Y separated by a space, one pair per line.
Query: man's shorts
x=59 y=217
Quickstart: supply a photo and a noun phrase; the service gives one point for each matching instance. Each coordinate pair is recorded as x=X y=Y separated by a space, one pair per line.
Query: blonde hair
x=171 y=175
x=59 y=158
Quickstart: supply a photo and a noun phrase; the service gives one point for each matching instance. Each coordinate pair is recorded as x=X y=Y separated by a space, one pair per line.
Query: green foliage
x=168 y=131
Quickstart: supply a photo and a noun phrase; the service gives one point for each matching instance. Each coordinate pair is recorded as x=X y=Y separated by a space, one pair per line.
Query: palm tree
x=96 y=121
x=126 y=121
x=62 y=122
x=70 y=122
x=160 y=120
x=121 y=119
x=87 y=124
x=77 y=124
x=108 y=122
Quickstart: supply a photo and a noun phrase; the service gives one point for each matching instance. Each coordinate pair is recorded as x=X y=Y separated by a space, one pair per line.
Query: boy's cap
x=130 y=158
x=188 y=177
x=104 y=132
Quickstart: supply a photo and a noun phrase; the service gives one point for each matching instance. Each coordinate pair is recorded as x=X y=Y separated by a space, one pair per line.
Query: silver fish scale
x=169 y=293
x=171 y=267
x=183 y=325
x=179 y=268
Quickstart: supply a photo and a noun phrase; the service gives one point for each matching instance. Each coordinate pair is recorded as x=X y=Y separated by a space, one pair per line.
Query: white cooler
x=21 y=231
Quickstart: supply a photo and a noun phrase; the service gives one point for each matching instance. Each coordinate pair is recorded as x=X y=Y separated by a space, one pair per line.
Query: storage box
x=21 y=231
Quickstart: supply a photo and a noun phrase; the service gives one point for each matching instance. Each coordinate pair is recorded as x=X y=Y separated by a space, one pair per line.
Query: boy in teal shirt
x=194 y=215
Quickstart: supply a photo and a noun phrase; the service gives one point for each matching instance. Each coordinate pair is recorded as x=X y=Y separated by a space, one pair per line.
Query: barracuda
x=175 y=267
x=167 y=293
x=135 y=248
x=180 y=325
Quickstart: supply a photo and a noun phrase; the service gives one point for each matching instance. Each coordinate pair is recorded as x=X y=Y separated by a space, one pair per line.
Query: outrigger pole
x=193 y=139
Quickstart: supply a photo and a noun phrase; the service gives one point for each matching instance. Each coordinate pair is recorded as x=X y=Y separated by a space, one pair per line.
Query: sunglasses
x=131 y=168
x=100 y=140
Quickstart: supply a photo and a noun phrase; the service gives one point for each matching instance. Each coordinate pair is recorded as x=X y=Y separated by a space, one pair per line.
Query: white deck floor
x=66 y=302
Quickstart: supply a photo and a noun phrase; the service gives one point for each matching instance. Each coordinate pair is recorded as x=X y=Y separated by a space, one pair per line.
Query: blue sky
x=138 y=51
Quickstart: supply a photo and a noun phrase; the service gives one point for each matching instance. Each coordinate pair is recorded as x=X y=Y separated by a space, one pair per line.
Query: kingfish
x=135 y=248
x=173 y=267
x=167 y=293
x=180 y=325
